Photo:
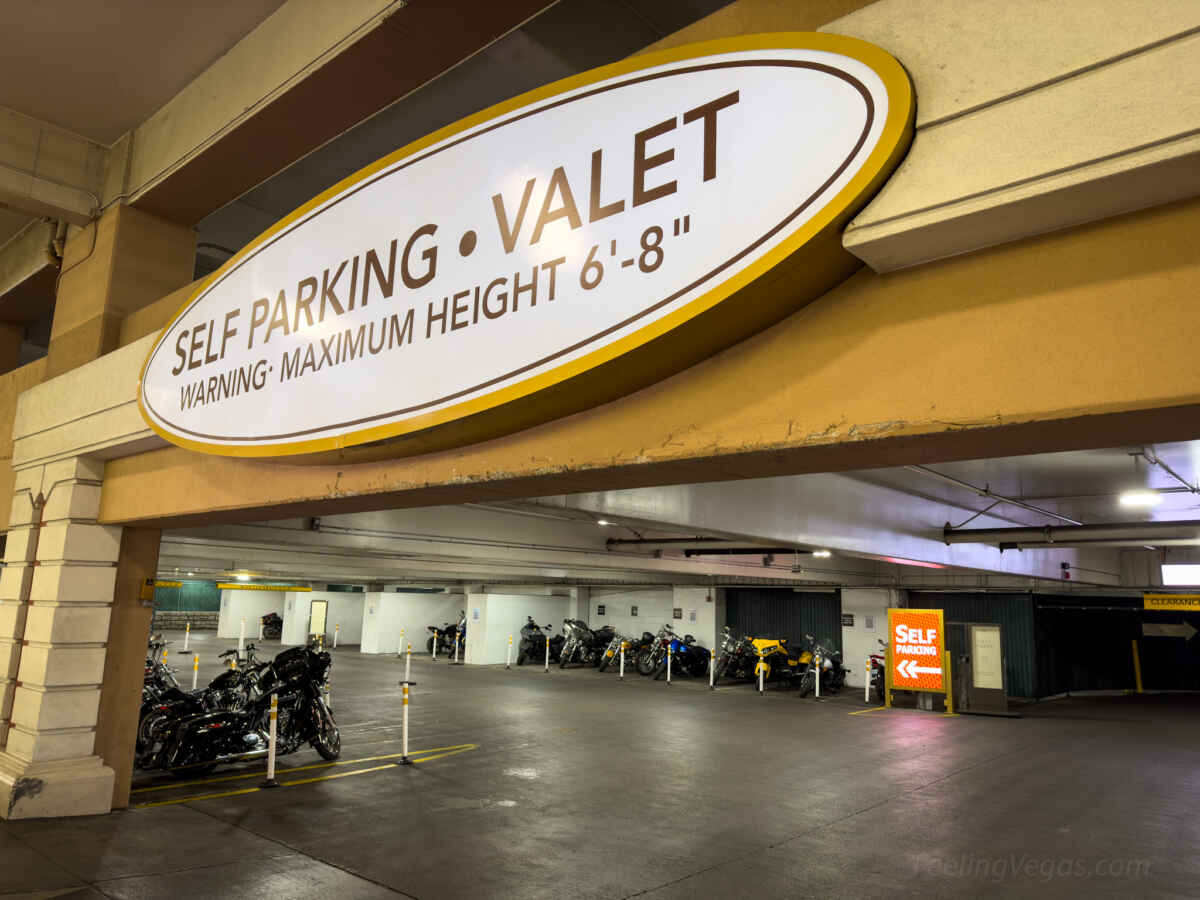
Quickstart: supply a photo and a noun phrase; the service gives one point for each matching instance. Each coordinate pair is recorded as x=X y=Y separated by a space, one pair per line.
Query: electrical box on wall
x=600 y=610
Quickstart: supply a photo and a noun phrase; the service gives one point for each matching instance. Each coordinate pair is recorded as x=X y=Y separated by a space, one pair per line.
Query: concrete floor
x=581 y=786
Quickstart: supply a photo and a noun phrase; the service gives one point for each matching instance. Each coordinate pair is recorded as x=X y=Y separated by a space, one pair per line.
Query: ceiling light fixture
x=822 y=554
x=603 y=522
x=243 y=578
x=1140 y=499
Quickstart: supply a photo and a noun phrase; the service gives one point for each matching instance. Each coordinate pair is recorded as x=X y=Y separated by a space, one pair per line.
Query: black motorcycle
x=444 y=636
x=582 y=645
x=736 y=659
x=198 y=744
x=165 y=703
x=533 y=644
x=272 y=626
x=829 y=665
x=655 y=653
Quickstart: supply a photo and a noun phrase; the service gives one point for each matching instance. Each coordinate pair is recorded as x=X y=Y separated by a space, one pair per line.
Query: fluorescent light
x=190 y=574
x=822 y=554
x=1140 y=499
x=603 y=522
x=1185 y=574
x=243 y=578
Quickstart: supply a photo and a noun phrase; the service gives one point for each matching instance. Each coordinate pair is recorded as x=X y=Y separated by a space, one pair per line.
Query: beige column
x=57 y=590
x=118 y=264
x=124 y=663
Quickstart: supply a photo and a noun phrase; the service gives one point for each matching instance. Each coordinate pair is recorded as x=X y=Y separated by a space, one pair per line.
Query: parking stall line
x=453 y=748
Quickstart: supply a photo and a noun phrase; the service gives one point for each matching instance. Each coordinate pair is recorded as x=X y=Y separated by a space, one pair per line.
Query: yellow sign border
x=691 y=333
x=240 y=586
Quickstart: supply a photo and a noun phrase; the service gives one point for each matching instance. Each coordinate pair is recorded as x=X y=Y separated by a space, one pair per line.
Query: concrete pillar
x=120 y=263
x=581 y=604
x=1141 y=568
x=708 y=603
x=56 y=604
x=869 y=607
x=128 y=632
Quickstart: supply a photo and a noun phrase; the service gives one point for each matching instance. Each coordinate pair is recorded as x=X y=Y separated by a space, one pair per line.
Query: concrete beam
x=48 y=171
x=999 y=353
x=310 y=71
x=28 y=269
x=1056 y=113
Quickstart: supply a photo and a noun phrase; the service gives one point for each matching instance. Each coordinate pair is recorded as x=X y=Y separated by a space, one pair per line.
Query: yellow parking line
x=344 y=762
x=859 y=712
x=451 y=751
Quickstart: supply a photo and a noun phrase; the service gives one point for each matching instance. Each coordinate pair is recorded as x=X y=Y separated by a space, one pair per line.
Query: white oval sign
x=544 y=255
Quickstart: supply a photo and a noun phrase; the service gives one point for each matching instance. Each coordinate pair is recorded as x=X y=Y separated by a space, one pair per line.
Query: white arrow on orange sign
x=909 y=669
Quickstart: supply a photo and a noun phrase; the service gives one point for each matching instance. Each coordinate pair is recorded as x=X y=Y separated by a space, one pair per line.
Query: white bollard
x=622 y=672
x=508 y=656
x=760 y=676
x=336 y=629
x=817 y=659
x=187 y=633
x=260 y=629
x=547 y=669
x=408 y=663
x=404 y=726
x=867 y=685
x=328 y=692
x=456 y=648
x=435 y=645
x=669 y=664
x=712 y=670
x=271 y=782
x=242 y=636
x=195 y=670
x=400 y=646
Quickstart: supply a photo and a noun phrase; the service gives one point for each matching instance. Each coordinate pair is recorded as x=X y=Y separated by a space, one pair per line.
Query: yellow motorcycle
x=775 y=660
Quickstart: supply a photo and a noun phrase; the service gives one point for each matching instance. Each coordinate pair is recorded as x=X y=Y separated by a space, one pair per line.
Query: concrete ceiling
x=570 y=37
x=98 y=69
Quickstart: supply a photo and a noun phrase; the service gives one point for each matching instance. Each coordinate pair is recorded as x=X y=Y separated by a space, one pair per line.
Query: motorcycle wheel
x=661 y=670
x=520 y=657
x=645 y=663
x=604 y=661
x=328 y=740
x=807 y=682
x=564 y=658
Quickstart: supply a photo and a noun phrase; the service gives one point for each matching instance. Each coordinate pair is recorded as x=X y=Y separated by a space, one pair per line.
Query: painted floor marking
x=216 y=779
x=463 y=748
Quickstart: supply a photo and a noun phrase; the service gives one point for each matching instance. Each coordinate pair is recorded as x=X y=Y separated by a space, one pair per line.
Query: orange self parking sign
x=916 y=649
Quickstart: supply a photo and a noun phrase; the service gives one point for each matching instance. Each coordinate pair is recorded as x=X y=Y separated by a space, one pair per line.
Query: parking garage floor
x=573 y=784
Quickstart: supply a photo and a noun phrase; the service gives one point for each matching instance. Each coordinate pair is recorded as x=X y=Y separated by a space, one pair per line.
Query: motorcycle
x=736 y=658
x=832 y=672
x=231 y=689
x=582 y=644
x=878 y=679
x=649 y=657
x=445 y=635
x=533 y=643
x=630 y=646
x=686 y=656
x=776 y=660
x=272 y=626
x=196 y=744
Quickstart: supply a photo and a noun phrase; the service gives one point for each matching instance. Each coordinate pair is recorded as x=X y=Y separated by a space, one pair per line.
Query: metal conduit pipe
x=1115 y=534
x=992 y=495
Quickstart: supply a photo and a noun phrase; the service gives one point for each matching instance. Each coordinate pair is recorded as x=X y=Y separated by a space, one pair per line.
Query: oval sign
x=550 y=253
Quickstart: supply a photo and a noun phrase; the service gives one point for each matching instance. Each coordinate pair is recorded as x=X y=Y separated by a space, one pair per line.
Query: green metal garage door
x=782 y=612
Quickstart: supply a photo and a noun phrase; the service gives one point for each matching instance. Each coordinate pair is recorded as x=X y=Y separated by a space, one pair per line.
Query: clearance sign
x=553 y=252
x=916 y=650
x=1171 y=602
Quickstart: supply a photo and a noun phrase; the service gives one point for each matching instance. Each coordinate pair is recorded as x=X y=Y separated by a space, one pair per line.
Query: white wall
x=295 y=614
x=346 y=610
x=654 y=608
x=343 y=607
x=491 y=618
x=249 y=604
x=387 y=613
x=858 y=641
